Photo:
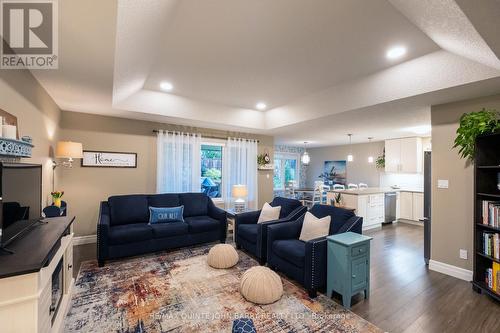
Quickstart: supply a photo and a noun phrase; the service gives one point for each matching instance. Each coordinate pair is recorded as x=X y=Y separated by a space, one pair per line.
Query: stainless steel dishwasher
x=390 y=207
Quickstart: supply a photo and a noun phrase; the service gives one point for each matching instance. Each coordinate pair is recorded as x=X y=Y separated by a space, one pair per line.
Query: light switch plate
x=463 y=254
x=443 y=183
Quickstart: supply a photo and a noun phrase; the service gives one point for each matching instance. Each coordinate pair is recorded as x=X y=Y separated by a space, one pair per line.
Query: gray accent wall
x=359 y=170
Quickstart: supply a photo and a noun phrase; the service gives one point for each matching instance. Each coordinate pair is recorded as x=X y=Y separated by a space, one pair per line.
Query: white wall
x=358 y=171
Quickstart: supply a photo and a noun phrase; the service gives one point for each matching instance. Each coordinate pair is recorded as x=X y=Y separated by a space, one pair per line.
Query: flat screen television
x=20 y=198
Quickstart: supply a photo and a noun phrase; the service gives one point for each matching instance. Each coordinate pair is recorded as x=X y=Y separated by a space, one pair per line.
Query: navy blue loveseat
x=302 y=261
x=123 y=229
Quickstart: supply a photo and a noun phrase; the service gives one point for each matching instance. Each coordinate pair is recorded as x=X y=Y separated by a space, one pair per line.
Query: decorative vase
x=57 y=202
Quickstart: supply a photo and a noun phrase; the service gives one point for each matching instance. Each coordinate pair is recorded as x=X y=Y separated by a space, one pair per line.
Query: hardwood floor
x=405 y=295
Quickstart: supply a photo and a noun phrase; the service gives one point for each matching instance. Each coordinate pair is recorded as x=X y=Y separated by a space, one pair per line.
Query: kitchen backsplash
x=403 y=180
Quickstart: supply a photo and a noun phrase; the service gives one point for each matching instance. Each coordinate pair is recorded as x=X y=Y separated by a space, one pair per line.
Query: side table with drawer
x=348 y=265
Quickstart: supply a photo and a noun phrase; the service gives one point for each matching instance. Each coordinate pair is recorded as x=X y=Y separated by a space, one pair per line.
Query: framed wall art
x=107 y=159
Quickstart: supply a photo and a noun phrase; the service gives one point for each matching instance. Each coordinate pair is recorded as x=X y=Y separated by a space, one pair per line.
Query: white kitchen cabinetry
x=411 y=206
x=406 y=205
x=418 y=206
x=392 y=155
x=403 y=155
x=369 y=207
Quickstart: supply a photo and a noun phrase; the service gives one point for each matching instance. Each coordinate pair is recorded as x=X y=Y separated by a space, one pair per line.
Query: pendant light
x=305 y=158
x=370 y=158
x=350 y=158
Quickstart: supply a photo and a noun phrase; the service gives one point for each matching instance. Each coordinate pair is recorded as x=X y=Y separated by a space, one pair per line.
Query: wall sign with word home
x=106 y=159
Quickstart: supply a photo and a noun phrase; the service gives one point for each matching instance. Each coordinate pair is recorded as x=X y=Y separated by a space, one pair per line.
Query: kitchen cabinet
x=406 y=205
x=403 y=155
x=369 y=207
x=392 y=155
x=418 y=206
x=411 y=206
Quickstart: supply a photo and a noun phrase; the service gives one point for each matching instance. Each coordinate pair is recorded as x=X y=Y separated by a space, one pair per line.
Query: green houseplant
x=471 y=126
x=380 y=161
x=337 y=200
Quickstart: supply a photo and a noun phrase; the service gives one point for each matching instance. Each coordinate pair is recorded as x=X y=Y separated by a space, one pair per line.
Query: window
x=211 y=169
x=285 y=169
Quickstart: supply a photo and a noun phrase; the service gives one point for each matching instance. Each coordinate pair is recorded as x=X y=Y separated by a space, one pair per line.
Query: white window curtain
x=178 y=162
x=240 y=167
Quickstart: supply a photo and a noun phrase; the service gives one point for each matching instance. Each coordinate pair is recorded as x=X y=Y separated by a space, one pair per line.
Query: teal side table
x=348 y=265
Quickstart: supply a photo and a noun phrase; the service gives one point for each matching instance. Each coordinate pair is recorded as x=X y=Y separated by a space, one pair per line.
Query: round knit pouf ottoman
x=261 y=285
x=222 y=256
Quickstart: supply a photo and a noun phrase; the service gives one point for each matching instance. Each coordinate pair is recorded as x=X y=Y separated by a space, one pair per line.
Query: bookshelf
x=486 y=196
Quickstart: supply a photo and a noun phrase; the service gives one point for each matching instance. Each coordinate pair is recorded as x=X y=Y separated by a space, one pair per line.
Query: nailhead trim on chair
x=312 y=268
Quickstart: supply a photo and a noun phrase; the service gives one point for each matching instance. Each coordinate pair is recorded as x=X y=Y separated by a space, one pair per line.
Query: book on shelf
x=491 y=244
x=492 y=277
x=491 y=213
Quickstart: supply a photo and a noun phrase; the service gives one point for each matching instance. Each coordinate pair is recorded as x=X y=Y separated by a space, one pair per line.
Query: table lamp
x=239 y=193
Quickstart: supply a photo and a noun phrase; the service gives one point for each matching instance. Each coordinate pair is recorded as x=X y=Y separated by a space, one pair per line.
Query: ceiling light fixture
x=166 y=86
x=350 y=158
x=370 y=158
x=305 y=158
x=261 y=106
x=396 y=52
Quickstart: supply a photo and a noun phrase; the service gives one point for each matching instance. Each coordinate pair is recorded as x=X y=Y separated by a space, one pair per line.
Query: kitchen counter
x=375 y=190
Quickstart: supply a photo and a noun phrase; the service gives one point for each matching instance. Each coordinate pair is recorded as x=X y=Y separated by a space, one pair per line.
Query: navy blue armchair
x=302 y=261
x=123 y=229
x=252 y=236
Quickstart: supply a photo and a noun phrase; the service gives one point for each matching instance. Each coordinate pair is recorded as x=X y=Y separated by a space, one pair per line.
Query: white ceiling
x=239 y=52
x=319 y=65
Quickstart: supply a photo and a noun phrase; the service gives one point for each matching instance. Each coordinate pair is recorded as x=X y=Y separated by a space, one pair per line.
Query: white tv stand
x=26 y=278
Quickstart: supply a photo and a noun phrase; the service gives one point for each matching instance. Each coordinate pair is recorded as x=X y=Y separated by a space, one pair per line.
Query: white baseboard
x=459 y=273
x=81 y=240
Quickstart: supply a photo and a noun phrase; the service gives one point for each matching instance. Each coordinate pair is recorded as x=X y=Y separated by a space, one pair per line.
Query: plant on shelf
x=380 y=161
x=337 y=200
x=56 y=198
x=472 y=125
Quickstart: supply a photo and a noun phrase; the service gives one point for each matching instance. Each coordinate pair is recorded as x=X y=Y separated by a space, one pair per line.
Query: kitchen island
x=370 y=204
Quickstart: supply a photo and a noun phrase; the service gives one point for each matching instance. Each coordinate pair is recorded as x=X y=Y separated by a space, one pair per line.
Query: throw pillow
x=269 y=213
x=314 y=228
x=165 y=214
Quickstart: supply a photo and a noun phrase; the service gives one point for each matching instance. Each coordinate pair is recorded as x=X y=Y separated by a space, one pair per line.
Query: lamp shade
x=68 y=149
x=305 y=159
x=239 y=191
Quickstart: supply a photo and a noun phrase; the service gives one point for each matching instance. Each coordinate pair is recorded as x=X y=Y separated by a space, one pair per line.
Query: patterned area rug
x=178 y=292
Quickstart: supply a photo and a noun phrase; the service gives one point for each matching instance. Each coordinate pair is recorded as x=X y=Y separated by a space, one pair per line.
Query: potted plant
x=337 y=200
x=472 y=125
x=56 y=198
x=380 y=161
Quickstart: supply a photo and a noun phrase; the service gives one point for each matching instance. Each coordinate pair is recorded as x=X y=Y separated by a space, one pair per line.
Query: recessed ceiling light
x=167 y=86
x=396 y=52
x=261 y=106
